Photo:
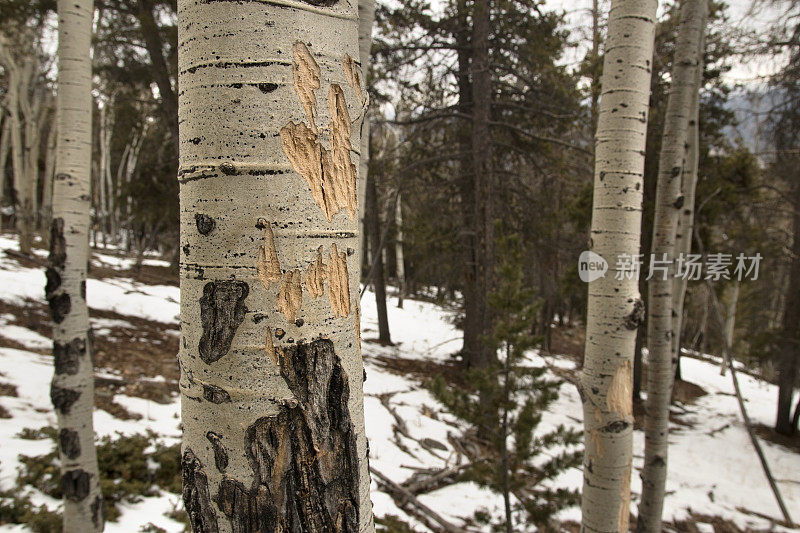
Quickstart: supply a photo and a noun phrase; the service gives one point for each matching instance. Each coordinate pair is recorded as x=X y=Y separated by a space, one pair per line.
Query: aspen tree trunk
x=271 y=370
x=47 y=181
x=732 y=301
x=72 y=390
x=398 y=252
x=669 y=202
x=4 y=142
x=685 y=231
x=31 y=108
x=366 y=17
x=615 y=309
x=15 y=84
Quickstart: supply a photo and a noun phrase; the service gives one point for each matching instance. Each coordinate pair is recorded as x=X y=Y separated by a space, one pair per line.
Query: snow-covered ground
x=713 y=470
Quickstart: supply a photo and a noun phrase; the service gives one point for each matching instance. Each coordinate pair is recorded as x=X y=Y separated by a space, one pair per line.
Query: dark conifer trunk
x=477 y=206
x=378 y=274
x=790 y=343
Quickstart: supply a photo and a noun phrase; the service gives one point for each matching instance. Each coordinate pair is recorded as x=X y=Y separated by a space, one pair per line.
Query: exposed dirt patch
x=7 y=389
x=134 y=350
x=768 y=433
x=104 y=399
x=686 y=391
x=569 y=341
x=151 y=275
x=419 y=370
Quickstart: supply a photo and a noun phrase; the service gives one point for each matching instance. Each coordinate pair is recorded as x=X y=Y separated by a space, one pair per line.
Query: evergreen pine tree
x=504 y=408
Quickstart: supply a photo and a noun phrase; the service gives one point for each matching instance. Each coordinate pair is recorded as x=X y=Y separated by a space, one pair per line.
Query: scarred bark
x=271 y=370
x=72 y=390
x=615 y=309
x=661 y=287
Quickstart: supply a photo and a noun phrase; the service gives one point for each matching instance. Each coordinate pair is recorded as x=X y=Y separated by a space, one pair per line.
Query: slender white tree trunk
x=72 y=391
x=732 y=300
x=685 y=231
x=5 y=138
x=615 y=308
x=398 y=252
x=669 y=202
x=34 y=114
x=271 y=370
x=17 y=87
x=366 y=17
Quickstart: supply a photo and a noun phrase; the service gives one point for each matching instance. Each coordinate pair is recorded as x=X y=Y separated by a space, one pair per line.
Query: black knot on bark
x=228 y=168
x=63 y=399
x=66 y=357
x=679 y=202
x=267 y=87
x=215 y=394
x=205 y=224
x=75 y=484
x=220 y=455
x=636 y=316
x=58 y=245
x=60 y=306
x=70 y=443
x=196 y=498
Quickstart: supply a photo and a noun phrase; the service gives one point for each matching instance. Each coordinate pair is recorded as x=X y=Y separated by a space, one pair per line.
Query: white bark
x=398 y=251
x=669 y=202
x=271 y=370
x=615 y=309
x=24 y=103
x=72 y=391
x=366 y=17
x=5 y=139
x=732 y=299
x=685 y=231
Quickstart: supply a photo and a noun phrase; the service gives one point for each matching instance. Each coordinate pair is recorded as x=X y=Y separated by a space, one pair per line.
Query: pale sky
x=743 y=17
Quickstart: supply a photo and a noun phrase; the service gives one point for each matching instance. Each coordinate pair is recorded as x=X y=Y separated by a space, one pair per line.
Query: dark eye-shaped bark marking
x=215 y=394
x=67 y=356
x=220 y=455
x=63 y=398
x=75 y=484
x=70 y=443
x=222 y=311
